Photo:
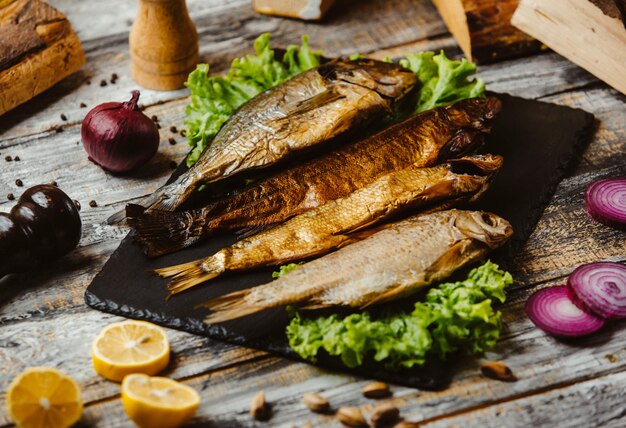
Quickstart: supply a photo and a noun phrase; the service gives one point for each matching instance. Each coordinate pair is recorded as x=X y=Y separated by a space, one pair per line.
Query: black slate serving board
x=538 y=140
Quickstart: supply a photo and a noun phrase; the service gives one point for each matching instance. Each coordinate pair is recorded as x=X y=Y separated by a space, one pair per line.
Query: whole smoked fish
x=421 y=140
x=311 y=108
x=390 y=264
x=328 y=226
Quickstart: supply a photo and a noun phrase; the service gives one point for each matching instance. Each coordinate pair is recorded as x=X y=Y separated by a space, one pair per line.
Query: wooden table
x=44 y=321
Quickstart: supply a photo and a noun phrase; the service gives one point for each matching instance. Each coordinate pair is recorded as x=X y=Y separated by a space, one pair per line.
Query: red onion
x=606 y=201
x=118 y=136
x=601 y=287
x=552 y=310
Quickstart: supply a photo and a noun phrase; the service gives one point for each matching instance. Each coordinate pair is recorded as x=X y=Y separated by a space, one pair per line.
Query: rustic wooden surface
x=44 y=321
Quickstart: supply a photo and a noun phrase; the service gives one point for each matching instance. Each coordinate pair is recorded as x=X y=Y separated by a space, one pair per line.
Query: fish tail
x=229 y=307
x=166 y=198
x=188 y=275
x=161 y=232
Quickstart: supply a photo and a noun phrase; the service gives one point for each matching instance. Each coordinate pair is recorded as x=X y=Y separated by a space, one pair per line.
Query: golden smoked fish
x=390 y=264
x=328 y=227
x=311 y=108
x=421 y=140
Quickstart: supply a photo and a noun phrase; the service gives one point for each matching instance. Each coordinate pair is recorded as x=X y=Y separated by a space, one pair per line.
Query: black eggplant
x=44 y=225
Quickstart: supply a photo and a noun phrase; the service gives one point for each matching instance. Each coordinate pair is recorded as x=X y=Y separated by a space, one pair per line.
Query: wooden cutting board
x=539 y=142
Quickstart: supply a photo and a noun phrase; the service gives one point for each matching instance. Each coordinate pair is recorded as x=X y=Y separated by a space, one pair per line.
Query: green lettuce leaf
x=454 y=317
x=443 y=81
x=284 y=270
x=215 y=99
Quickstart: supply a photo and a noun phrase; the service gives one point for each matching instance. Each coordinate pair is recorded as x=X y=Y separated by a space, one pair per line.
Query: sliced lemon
x=129 y=347
x=42 y=397
x=158 y=402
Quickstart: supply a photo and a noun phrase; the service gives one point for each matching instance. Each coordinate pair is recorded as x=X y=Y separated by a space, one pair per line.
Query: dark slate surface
x=539 y=142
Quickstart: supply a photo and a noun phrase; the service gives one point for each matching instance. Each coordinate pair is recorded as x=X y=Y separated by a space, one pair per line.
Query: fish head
x=476 y=172
x=485 y=227
x=474 y=119
x=387 y=79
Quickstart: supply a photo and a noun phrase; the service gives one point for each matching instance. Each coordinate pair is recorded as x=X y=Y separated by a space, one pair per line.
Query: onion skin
x=606 y=201
x=44 y=225
x=552 y=310
x=118 y=136
x=601 y=288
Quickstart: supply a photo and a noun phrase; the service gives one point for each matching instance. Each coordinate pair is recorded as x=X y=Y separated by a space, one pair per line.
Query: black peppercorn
x=173 y=129
x=63 y=117
x=83 y=105
x=19 y=183
x=172 y=141
x=16 y=159
x=77 y=204
x=10 y=196
x=103 y=82
x=8 y=158
x=93 y=204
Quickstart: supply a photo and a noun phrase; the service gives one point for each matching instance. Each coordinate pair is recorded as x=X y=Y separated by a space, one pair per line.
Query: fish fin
x=187 y=275
x=314 y=306
x=394 y=293
x=229 y=306
x=161 y=232
x=360 y=233
x=325 y=97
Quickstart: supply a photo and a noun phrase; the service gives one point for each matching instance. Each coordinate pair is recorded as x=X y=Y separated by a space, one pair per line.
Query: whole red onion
x=118 y=136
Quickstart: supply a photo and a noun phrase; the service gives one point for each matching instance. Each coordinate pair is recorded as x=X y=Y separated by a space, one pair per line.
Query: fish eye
x=487 y=219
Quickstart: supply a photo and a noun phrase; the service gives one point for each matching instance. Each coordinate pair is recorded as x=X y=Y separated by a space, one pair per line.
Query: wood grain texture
x=527 y=350
x=483 y=29
x=594 y=403
x=580 y=31
x=43 y=319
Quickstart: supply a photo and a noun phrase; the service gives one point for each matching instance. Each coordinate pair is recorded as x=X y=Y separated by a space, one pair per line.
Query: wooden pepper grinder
x=163 y=44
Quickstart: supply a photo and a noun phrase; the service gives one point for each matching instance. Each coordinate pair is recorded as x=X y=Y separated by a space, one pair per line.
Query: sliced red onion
x=552 y=310
x=601 y=287
x=606 y=201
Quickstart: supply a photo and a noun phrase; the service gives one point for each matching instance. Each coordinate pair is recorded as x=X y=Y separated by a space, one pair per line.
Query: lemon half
x=129 y=347
x=158 y=402
x=43 y=397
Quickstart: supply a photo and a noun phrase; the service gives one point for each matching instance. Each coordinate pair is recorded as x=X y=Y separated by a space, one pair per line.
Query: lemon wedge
x=158 y=402
x=42 y=397
x=129 y=347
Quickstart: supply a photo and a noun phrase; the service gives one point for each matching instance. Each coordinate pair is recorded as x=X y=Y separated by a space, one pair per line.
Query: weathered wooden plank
x=224 y=33
x=609 y=141
x=102 y=19
x=594 y=403
x=64 y=342
x=566 y=236
x=528 y=351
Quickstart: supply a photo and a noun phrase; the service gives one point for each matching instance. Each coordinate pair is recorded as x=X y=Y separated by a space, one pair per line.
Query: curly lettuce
x=442 y=81
x=454 y=317
x=214 y=99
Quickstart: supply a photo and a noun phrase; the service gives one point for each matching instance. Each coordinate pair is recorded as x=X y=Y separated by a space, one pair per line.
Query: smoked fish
x=425 y=139
x=329 y=226
x=313 y=107
x=390 y=264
